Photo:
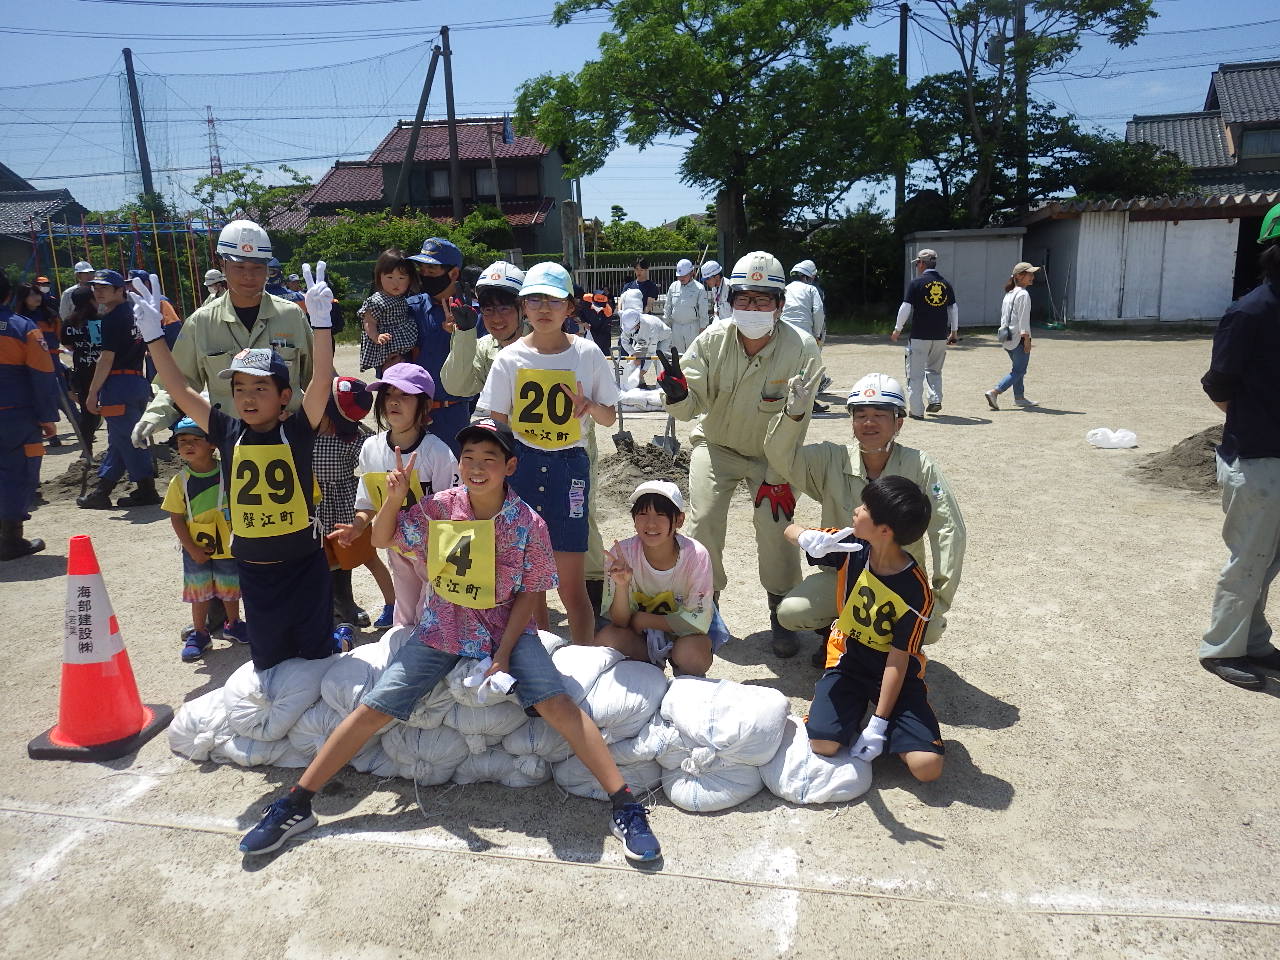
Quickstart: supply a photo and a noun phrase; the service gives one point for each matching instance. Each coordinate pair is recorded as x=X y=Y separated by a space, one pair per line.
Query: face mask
x=43 y=289
x=597 y=308
x=754 y=324
x=434 y=286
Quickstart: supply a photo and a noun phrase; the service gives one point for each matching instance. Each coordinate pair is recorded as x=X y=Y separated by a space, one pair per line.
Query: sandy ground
x=1103 y=795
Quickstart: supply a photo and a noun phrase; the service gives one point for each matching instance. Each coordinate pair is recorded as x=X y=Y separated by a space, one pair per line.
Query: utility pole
x=455 y=185
x=1023 y=173
x=493 y=170
x=406 y=165
x=900 y=176
x=139 y=135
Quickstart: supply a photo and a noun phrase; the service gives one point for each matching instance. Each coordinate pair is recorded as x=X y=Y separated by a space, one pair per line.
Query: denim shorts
x=557 y=485
x=416 y=669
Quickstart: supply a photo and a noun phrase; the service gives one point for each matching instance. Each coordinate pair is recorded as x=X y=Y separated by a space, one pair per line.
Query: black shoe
x=819 y=407
x=915 y=416
x=53 y=442
x=1267 y=661
x=144 y=495
x=1235 y=670
x=819 y=657
x=13 y=545
x=98 y=500
x=785 y=643
x=933 y=408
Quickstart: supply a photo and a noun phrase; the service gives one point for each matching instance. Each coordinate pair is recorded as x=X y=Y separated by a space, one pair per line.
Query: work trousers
x=21 y=451
x=924 y=360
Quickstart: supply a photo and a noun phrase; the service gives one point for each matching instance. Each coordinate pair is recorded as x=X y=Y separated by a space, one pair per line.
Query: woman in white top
x=1014 y=334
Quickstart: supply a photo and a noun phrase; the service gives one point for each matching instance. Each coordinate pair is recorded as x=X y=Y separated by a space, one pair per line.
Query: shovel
x=622 y=437
x=668 y=441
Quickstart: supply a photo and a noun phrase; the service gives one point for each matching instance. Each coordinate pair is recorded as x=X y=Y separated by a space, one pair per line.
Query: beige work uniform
x=463 y=374
x=735 y=397
x=213 y=335
x=833 y=474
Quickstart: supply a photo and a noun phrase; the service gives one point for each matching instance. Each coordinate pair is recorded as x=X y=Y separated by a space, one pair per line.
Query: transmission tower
x=215 y=160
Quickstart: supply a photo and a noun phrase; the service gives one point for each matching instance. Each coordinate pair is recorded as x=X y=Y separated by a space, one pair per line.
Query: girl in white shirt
x=1014 y=335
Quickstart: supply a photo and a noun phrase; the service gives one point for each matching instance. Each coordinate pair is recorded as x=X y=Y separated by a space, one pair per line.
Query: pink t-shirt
x=684 y=592
x=525 y=564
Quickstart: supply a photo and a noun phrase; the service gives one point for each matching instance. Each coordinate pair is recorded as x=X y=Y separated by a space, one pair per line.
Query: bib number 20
x=537 y=398
x=279 y=478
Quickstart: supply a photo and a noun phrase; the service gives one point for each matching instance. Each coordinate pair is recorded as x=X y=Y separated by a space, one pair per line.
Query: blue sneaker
x=385 y=618
x=238 y=631
x=344 y=638
x=280 y=821
x=630 y=825
x=197 y=643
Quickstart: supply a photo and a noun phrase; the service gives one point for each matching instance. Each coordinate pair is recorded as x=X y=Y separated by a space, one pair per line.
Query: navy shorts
x=416 y=669
x=841 y=702
x=291 y=606
x=557 y=485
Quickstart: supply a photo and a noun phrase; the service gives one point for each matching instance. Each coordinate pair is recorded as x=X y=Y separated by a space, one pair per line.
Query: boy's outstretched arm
x=150 y=323
x=319 y=303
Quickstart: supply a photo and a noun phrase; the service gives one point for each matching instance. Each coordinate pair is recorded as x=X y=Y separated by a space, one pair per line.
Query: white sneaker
x=991 y=399
x=1024 y=402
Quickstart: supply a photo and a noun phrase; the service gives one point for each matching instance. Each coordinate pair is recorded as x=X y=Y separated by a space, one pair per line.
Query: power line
x=248 y=4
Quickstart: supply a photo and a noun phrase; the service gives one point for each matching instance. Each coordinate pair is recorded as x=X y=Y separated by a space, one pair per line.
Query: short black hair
x=4 y=286
x=657 y=503
x=900 y=505
x=641 y=262
x=1269 y=261
x=490 y=296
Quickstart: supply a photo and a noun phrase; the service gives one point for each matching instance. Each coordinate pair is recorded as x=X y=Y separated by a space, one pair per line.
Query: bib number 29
x=280 y=482
x=537 y=398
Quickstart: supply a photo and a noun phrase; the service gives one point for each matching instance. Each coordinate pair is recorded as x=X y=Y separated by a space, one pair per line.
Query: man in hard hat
x=804 y=309
x=930 y=306
x=685 y=309
x=439 y=269
x=275 y=283
x=734 y=380
x=717 y=292
x=245 y=316
x=834 y=474
x=1241 y=381
x=216 y=283
x=84 y=273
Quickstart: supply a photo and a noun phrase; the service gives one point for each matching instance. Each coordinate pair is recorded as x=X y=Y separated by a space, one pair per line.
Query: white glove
x=818 y=543
x=146 y=309
x=141 y=436
x=871 y=743
x=802 y=388
x=659 y=645
x=319 y=298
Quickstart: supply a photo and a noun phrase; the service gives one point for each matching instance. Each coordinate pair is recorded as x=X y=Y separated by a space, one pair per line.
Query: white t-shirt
x=684 y=591
x=519 y=387
x=436 y=467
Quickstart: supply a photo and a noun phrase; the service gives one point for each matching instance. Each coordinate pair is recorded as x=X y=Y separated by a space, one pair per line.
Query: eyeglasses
x=744 y=301
x=498 y=310
x=543 y=303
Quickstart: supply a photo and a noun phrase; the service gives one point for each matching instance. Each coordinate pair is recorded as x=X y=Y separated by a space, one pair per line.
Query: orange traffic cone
x=99 y=715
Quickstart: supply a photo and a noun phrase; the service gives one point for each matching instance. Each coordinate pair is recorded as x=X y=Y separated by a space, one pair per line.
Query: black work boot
x=595 y=593
x=819 y=658
x=12 y=544
x=144 y=495
x=785 y=642
x=99 y=499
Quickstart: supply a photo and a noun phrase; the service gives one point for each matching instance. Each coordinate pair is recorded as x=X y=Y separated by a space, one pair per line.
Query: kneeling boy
x=489 y=558
x=874 y=653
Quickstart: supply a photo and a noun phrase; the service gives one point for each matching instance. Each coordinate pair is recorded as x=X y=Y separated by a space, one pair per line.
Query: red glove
x=779 y=496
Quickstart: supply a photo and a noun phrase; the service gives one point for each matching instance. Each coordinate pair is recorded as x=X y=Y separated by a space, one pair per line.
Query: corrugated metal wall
x=977 y=263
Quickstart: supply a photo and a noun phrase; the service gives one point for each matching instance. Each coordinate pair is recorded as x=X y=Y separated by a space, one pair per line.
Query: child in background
x=387 y=333
x=196 y=502
x=402 y=411
x=337 y=451
x=658 y=597
x=545 y=384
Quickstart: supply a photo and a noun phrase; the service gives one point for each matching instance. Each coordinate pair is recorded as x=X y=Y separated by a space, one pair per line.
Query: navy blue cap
x=257 y=362
x=107 y=278
x=491 y=429
x=439 y=251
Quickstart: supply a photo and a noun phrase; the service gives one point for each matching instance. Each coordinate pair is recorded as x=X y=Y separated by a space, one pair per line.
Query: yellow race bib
x=661 y=604
x=212 y=532
x=462 y=562
x=266 y=497
x=376 y=483
x=542 y=412
x=870 y=613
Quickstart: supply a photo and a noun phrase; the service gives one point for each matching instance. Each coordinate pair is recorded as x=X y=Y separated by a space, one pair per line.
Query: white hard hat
x=244 y=240
x=806 y=267
x=878 y=390
x=710 y=269
x=83 y=266
x=684 y=268
x=214 y=276
x=503 y=275
x=758 y=270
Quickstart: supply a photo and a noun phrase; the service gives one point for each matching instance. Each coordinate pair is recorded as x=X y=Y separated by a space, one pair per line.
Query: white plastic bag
x=497 y=766
x=373 y=760
x=468 y=685
x=199 y=725
x=428 y=756
x=624 y=698
x=657 y=739
x=250 y=752
x=1111 y=439
x=798 y=775
x=718 y=787
x=552 y=642
x=730 y=721
x=573 y=777
x=265 y=704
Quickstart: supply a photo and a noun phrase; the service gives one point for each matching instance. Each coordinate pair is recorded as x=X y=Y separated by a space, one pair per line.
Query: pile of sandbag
x=710 y=744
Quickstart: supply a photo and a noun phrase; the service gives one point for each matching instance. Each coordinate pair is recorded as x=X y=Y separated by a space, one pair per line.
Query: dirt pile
x=68 y=484
x=618 y=476
x=1189 y=464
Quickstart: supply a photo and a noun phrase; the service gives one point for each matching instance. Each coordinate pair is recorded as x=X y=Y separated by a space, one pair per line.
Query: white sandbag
x=249 y=752
x=718 y=787
x=431 y=707
x=484 y=727
x=580 y=667
x=572 y=776
x=798 y=775
x=354 y=673
x=198 y=726
x=537 y=738
x=552 y=641
x=313 y=728
x=373 y=760
x=265 y=704
x=623 y=699
x=466 y=686
x=394 y=638
x=640 y=400
x=657 y=739
x=429 y=756
x=726 y=721
x=498 y=766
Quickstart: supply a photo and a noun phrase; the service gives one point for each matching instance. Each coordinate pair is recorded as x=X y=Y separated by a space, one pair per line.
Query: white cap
x=83 y=266
x=710 y=269
x=758 y=270
x=630 y=299
x=806 y=267
x=663 y=488
x=684 y=268
x=506 y=276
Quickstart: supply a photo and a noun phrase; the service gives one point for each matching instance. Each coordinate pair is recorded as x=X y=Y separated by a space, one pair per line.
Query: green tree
x=362 y=236
x=997 y=60
x=768 y=102
x=1106 y=168
x=240 y=193
x=617 y=214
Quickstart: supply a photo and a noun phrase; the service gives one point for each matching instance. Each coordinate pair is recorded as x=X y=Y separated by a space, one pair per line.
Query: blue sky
x=283 y=83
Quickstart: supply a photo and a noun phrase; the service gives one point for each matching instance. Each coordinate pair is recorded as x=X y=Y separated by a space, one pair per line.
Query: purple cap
x=408 y=377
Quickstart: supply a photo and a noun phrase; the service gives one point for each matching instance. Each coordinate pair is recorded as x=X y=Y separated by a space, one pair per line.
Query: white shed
x=976 y=262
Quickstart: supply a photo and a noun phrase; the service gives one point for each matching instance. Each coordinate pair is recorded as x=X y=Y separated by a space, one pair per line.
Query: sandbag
x=572 y=776
x=580 y=667
x=537 y=738
x=352 y=674
x=373 y=760
x=718 y=787
x=657 y=739
x=552 y=641
x=431 y=707
x=249 y=752
x=624 y=698
x=798 y=775
x=429 y=756
x=265 y=704
x=313 y=728
x=497 y=766
x=199 y=725
x=726 y=721
x=460 y=683
x=484 y=727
